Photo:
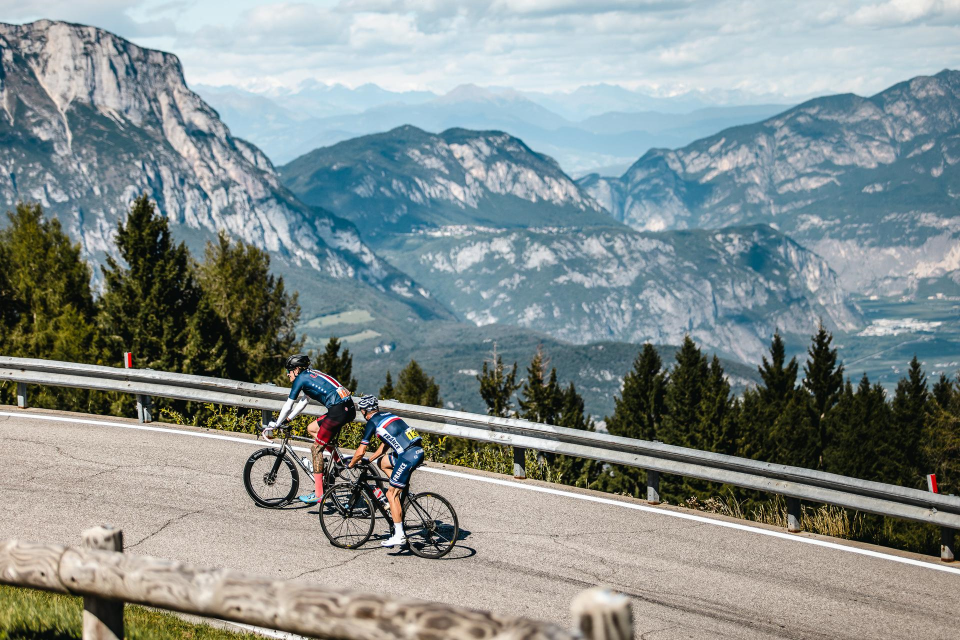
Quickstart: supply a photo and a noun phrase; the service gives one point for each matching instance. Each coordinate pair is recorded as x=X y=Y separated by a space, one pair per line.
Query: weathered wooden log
x=27 y=564
x=300 y=608
x=102 y=617
x=600 y=614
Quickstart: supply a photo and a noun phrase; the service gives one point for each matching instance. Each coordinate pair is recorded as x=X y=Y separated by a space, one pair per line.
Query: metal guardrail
x=794 y=483
x=107 y=578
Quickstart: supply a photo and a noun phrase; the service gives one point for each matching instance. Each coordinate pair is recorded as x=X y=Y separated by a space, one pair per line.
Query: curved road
x=530 y=548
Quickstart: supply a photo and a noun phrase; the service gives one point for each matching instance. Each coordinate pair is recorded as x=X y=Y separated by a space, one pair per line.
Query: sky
x=769 y=49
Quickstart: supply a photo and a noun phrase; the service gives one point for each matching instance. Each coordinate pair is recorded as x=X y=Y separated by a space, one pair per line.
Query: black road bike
x=270 y=474
x=348 y=511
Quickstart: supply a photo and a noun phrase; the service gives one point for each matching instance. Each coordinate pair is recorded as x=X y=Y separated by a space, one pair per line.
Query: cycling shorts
x=329 y=425
x=403 y=466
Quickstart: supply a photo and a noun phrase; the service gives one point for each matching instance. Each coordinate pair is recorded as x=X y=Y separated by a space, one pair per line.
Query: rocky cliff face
x=871 y=184
x=90 y=121
x=407 y=180
x=728 y=289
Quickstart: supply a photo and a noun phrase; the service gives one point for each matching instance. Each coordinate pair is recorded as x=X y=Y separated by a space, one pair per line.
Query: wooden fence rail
x=107 y=579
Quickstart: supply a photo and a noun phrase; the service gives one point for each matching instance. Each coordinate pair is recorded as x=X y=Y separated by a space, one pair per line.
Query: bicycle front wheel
x=431 y=525
x=346 y=515
x=270 y=477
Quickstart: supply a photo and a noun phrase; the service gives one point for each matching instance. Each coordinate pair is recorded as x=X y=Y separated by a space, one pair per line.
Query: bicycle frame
x=288 y=450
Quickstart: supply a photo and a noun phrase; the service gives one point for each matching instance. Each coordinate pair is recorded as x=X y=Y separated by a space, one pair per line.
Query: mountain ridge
x=867 y=182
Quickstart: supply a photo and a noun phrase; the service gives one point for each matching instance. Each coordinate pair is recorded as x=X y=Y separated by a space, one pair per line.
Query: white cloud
x=755 y=46
x=895 y=13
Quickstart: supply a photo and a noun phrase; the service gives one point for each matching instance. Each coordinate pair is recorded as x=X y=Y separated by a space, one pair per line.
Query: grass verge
x=27 y=614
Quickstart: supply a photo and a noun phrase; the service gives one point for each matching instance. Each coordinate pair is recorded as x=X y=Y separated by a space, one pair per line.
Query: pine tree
x=254 y=307
x=573 y=413
x=497 y=386
x=338 y=365
x=823 y=378
x=683 y=395
x=387 y=392
x=943 y=390
x=47 y=303
x=414 y=386
x=638 y=410
x=718 y=417
x=910 y=412
x=540 y=398
x=942 y=443
x=147 y=304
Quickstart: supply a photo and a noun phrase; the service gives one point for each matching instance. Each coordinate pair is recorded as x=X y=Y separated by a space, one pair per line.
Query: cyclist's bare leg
x=316 y=450
x=393 y=497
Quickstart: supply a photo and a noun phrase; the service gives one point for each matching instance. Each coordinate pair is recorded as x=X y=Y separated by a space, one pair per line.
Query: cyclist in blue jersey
x=405 y=456
x=326 y=390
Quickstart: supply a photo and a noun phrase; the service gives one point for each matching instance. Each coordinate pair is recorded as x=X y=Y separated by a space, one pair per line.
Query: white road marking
x=527 y=487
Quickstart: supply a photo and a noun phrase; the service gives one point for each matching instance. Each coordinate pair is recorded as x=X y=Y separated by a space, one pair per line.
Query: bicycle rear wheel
x=346 y=515
x=270 y=478
x=431 y=525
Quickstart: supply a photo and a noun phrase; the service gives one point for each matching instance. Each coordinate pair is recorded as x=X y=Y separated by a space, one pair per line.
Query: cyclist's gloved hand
x=268 y=431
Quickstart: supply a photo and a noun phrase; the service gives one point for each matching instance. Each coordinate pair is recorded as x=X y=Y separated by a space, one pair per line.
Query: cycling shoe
x=394 y=541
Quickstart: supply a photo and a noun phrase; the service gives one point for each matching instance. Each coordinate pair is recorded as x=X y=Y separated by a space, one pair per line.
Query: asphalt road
x=526 y=552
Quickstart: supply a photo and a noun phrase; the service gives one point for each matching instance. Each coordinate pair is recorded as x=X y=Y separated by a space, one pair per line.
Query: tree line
x=225 y=315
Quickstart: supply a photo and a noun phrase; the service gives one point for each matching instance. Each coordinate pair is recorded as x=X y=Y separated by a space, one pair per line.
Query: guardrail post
x=653 y=487
x=22 y=395
x=794 y=514
x=102 y=618
x=519 y=463
x=265 y=417
x=947 y=550
x=600 y=614
x=144 y=404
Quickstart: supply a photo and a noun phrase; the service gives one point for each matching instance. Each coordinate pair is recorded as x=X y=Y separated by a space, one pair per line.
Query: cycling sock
x=398 y=530
x=318 y=484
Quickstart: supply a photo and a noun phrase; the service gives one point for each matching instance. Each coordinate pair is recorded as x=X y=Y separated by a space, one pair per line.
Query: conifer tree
x=387 y=391
x=943 y=390
x=638 y=410
x=497 y=385
x=942 y=442
x=573 y=413
x=253 y=306
x=540 y=396
x=414 y=386
x=718 y=416
x=148 y=301
x=683 y=396
x=46 y=303
x=910 y=412
x=338 y=365
x=823 y=378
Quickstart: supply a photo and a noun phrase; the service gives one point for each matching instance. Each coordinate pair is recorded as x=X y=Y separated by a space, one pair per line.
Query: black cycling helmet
x=297 y=360
x=368 y=403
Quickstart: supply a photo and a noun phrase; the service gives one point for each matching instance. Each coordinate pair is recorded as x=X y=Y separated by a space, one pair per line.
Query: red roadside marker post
x=947 y=536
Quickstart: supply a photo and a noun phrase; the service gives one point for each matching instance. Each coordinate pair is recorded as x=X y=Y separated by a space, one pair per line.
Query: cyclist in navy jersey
x=406 y=454
x=326 y=390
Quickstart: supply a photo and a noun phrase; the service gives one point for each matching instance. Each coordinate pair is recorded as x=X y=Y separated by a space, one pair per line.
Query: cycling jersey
x=393 y=431
x=321 y=387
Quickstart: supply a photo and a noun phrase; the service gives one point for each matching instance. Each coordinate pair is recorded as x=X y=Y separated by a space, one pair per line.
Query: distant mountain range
x=409 y=180
x=618 y=125
x=499 y=234
x=871 y=184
